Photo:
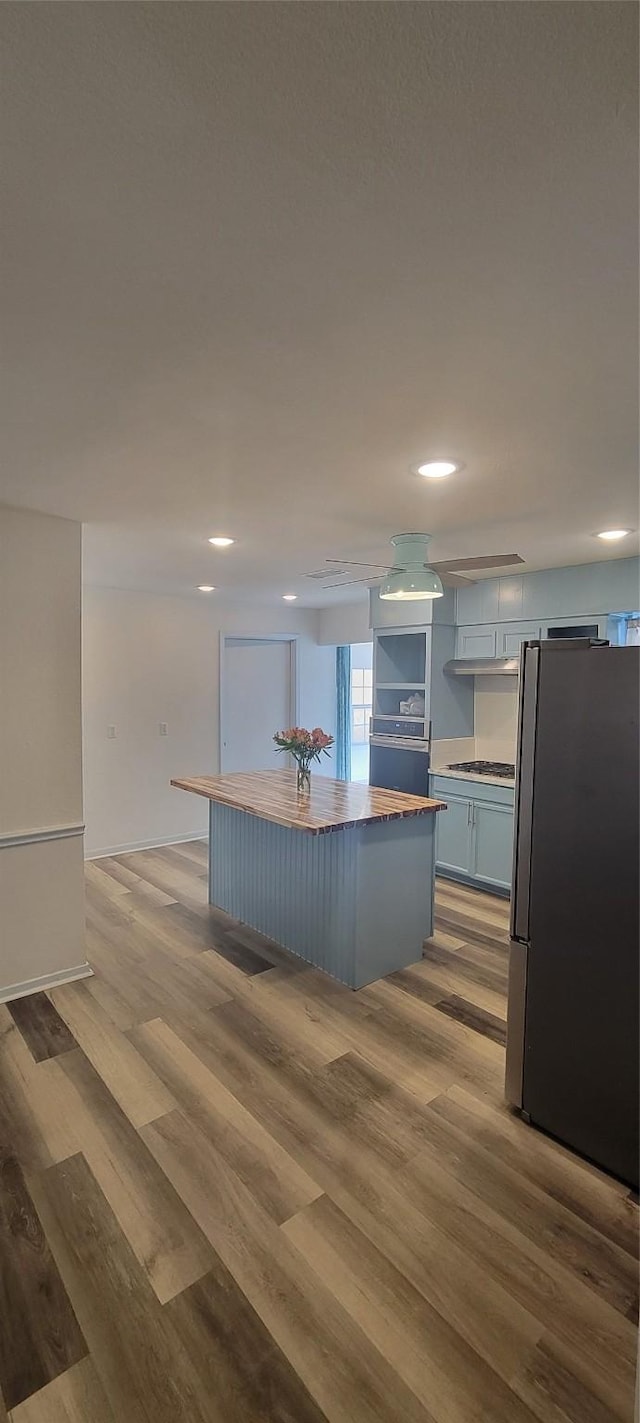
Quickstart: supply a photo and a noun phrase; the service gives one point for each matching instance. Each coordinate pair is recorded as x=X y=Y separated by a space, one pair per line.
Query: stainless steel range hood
x=483 y=667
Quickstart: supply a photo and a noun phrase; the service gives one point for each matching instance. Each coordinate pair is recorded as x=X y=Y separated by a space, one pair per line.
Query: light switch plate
x=111 y=733
x=163 y=728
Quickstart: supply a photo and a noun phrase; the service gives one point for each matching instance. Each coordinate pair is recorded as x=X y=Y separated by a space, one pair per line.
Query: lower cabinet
x=453 y=836
x=474 y=835
x=492 y=844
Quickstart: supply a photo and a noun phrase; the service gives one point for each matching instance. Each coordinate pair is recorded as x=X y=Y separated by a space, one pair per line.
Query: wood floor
x=232 y=1191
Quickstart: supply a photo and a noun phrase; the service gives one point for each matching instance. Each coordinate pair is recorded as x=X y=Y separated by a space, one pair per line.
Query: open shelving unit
x=400 y=671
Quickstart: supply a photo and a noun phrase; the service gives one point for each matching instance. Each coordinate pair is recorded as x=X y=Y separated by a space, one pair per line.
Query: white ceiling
x=258 y=258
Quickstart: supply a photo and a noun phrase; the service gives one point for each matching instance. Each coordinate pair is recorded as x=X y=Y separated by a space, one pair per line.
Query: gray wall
x=41 y=878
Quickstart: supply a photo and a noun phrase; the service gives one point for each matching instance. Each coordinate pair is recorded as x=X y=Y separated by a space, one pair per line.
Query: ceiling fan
x=411 y=577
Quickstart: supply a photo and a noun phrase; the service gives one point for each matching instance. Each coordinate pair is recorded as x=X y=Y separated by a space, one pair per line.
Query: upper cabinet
x=476 y=641
x=552 y=594
x=495 y=639
x=512 y=635
x=505 y=639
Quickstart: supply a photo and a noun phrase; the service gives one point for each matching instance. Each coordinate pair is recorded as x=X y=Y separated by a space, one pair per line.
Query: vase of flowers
x=305 y=747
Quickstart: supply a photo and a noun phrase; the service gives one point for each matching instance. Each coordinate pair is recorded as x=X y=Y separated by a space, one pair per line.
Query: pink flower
x=304 y=745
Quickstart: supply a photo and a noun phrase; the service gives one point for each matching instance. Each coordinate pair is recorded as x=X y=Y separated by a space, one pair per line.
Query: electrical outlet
x=163 y=728
x=111 y=733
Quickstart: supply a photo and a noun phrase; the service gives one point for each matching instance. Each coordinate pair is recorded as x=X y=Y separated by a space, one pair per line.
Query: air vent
x=321 y=573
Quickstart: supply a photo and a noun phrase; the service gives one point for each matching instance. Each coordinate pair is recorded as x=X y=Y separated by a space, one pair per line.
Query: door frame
x=294 y=672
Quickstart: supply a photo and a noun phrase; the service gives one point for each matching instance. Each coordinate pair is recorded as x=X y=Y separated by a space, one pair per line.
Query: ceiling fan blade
x=488 y=560
x=349 y=563
x=454 y=580
x=450 y=580
x=375 y=578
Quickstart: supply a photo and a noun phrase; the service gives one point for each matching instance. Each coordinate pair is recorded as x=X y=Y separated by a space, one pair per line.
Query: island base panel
x=357 y=903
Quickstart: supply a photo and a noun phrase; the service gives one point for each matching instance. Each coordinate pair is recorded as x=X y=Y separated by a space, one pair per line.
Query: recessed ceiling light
x=612 y=534
x=289 y=597
x=221 y=542
x=437 y=469
x=206 y=588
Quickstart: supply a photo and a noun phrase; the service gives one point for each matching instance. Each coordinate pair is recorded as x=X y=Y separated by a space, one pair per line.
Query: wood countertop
x=331 y=805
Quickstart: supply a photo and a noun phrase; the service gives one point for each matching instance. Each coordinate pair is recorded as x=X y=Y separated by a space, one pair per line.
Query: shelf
x=399 y=655
x=400 y=686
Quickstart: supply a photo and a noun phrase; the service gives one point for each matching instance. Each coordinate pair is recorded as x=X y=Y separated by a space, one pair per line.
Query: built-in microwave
x=401 y=726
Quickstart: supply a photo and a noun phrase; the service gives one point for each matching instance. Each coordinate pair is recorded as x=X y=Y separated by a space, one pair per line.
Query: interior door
x=257 y=698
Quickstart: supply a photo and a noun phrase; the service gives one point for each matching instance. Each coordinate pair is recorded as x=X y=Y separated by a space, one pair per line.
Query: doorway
x=361 y=708
x=257 y=698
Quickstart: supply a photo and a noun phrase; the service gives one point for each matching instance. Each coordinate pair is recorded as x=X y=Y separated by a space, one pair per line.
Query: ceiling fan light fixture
x=405 y=585
x=410 y=580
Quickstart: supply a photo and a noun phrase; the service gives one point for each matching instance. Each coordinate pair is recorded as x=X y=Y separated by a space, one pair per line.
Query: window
x=361 y=704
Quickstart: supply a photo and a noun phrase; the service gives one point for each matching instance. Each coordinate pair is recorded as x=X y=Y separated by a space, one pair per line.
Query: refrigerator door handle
x=524 y=791
x=516 y=1015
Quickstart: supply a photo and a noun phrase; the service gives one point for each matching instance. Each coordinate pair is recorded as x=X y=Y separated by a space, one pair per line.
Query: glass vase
x=303 y=778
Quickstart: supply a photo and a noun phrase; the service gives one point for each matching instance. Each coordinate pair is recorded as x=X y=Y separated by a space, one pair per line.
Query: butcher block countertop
x=331 y=805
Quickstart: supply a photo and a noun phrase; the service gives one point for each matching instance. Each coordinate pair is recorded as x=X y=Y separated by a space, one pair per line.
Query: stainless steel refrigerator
x=572 y=1029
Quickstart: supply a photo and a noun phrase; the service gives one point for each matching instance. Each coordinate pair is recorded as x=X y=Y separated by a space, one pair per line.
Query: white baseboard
x=41 y=834
x=145 y=845
x=48 y=980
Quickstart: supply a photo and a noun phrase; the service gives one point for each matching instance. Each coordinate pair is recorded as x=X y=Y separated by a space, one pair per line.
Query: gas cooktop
x=486 y=768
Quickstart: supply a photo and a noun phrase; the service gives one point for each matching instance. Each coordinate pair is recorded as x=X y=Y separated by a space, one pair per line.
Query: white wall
x=149 y=659
x=41 y=881
x=496 y=718
x=344 y=623
x=362 y=653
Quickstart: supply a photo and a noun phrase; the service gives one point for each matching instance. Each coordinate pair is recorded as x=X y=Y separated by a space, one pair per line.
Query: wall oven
x=397 y=764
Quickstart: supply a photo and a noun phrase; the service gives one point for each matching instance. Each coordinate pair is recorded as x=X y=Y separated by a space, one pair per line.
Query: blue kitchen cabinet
x=551 y=594
x=512 y=635
x=476 y=641
x=453 y=836
x=492 y=845
x=474 y=836
x=479 y=640
x=494 y=639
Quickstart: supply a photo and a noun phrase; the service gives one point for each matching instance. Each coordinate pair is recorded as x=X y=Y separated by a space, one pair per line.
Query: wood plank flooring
x=232 y=1191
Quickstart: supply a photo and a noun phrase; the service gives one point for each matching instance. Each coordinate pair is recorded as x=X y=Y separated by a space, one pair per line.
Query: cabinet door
x=453 y=836
x=476 y=642
x=512 y=636
x=492 y=844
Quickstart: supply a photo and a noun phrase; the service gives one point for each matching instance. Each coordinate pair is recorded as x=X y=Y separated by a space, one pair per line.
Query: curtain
x=343 y=718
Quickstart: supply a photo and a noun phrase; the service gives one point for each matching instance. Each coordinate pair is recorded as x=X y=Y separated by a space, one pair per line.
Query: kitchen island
x=341 y=875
